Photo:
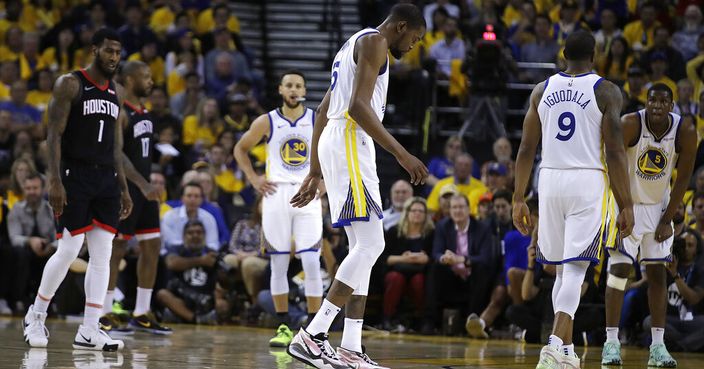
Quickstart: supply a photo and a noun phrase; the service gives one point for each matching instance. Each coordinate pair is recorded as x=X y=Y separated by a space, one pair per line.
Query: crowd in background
x=207 y=92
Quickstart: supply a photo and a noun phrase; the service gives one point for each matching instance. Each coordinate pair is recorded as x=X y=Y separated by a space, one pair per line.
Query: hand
x=37 y=245
x=663 y=232
x=208 y=260
x=448 y=257
x=625 y=221
x=521 y=217
x=307 y=192
x=263 y=186
x=125 y=205
x=414 y=167
x=151 y=192
x=672 y=266
x=57 y=196
x=532 y=252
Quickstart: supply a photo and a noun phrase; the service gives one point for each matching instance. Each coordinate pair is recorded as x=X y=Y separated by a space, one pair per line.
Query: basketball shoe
x=660 y=357
x=550 y=358
x=282 y=338
x=112 y=324
x=611 y=353
x=88 y=338
x=475 y=327
x=359 y=360
x=315 y=351
x=35 y=332
x=148 y=323
x=571 y=362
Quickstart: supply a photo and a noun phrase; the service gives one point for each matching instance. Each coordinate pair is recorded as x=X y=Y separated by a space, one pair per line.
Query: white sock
x=658 y=335
x=555 y=342
x=323 y=318
x=40 y=305
x=568 y=349
x=612 y=334
x=91 y=315
x=109 y=299
x=144 y=299
x=352 y=335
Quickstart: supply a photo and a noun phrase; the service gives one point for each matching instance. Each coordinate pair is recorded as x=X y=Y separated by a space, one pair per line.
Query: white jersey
x=344 y=69
x=288 y=147
x=652 y=160
x=571 y=123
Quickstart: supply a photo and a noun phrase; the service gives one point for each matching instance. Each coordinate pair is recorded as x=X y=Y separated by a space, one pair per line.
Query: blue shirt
x=26 y=114
x=216 y=212
x=516 y=251
x=443 y=53
x=174 y=221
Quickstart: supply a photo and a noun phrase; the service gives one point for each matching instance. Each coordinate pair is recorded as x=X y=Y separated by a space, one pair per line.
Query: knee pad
x=357 y=266
x=569 y=294
x=616 y=283
x=69 y=247
x=313 y=282
x=279 y=270
x=99 y=246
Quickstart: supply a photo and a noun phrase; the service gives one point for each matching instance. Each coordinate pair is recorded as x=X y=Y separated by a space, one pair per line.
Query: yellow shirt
x=40 y=100
x=8 y=55
x=193 y=132
x=642 y=96
x=163 y=209
x=511 y=15
x=26 y=69
x=4 y=92
x=473 y=190
x=157 y=66
x=175 y=83
x=636 y=34
x=227 y=181
x=61 y=64
x=12 y=198
x=205 y=22
x=161 y=19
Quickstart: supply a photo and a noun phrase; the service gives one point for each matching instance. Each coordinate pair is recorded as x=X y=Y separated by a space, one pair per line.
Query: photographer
x=685 y=309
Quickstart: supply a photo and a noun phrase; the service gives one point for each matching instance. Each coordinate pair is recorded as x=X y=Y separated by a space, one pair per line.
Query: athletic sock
x=282 y=318
x=555 y=342
x=612 y=334
x=658 y=335
x=352 y=335
x=144 y=300
x=323 y=318
x=41 y=305
x=109 y=299
x=91 y=315
x=311 y=316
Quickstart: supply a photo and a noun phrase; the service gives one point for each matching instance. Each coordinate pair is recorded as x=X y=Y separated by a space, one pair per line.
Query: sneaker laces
x=325 y=346
x=661 y=354
x=363 y=355
x=611 y=348
x=282 y=331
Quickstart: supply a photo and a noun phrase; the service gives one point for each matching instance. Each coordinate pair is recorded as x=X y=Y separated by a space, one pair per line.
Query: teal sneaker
x=660 y=358
x=550 y=358
x=611 y=353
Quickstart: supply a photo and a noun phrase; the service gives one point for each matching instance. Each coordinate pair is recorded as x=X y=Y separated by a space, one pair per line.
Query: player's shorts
x=283 y=224
x=92 y=199
x=574 y=215
x=641 y=245
x=144 y=219
x=348 y=161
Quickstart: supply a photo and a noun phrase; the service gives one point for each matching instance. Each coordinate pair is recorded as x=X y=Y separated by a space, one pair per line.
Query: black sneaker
x=110 y=323
x=147 y=323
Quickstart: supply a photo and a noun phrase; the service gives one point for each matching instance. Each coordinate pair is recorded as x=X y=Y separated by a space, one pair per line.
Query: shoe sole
x=26 y=340
x=661 y=366
x=89 y=346
x=474 y=329
x=612 y=363
x=149 y=330
x=294 y=354
x=278 y=344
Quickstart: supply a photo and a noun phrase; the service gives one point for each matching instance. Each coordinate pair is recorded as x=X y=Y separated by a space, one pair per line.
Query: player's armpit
x=609 y=100
x=630 y=126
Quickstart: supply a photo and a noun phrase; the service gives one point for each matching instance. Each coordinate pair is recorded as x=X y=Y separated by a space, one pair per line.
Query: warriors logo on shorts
x=651 y=163
x=294 y=152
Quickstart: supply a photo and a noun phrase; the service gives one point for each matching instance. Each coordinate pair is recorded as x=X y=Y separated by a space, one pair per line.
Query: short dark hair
x=221 y=6
x=579 y=46
x=103 y=34
x=34 y=175
x=129 y=68
x=408 y=13
x=193 y=223
x=543 y=16
x=661 y=87
x=293 y=71
x=502 y=194
x=193 y=184
x=191 y=74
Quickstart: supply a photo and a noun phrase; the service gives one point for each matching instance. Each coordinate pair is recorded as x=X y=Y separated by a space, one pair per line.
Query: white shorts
x=641 y=245
x=348 y=161
x=282 y=223
x=574 y=215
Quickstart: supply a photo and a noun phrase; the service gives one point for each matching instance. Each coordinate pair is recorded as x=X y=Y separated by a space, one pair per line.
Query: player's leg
x=109 y=321
x=307 y=233
x=176 y=304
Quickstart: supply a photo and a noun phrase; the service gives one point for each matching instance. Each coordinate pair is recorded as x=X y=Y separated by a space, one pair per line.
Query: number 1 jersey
x=571 y=123
x=138 y=138
x=89 y=137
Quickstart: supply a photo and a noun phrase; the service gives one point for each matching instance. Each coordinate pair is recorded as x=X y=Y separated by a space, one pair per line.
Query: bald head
x=400 y=192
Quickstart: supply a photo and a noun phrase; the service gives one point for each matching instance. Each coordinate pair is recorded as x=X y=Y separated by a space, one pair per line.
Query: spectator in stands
x=543 y=50
x=523 y=31
x=224 y=177
x=636 y=93
x=449 y=49
x=496 y=177
x=698 y=212
x=501 y=221
x=221 y=18
x=158 y=180
x=134 y=33
x=408 y=246
x=30 y=60
x=684 y=104
x=658 y=69
x=21 y=169
x=183 y=41
x=515 y=247
x=446 y=193
x=172 y=226
x=161 y=114
x=191 y=295
x=148 y=54
x=61 y=55
x=7 y=142
x=441 y=167
x=685 y=40
x=32 y=233
x=237 y=120
x=503 y=153
x=608 y=32
x=224 y=65
x=201 y=130
x=24 y=116
x=462 y=263
x=614 y=64
x=485 y=208
x=685 y=320
x=9 y=73
x=13 y=44
x=162 y=18
x=675 y=61
x=462 y=178
x=185 y=103
x=428 y=11
x=244 y=247
x=640 y=33
x=401 y=191
x=204 y=178
x=39 y=97
x=569 y=21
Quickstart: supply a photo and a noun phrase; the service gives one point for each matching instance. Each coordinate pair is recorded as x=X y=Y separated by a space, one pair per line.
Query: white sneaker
x=550 y=358
x=35 y=332
x=97 y=360
x=5 y=308
x=359 y=360
x=571 y=362
x=88 y=338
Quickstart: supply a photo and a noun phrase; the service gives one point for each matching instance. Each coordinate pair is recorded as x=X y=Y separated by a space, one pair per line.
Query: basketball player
x=656 y=141
x=347 y=126
x=573 y=112
x=288 y=132
x=144 y=220
x=87 y=188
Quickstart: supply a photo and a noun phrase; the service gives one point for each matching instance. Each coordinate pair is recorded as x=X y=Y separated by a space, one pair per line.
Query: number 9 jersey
x=571 y=123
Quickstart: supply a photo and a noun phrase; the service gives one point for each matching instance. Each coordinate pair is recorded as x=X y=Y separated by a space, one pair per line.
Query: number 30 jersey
x=288 y=147
x=138 y=137
x=571 y=123
x=89 y=136
x=652 y=160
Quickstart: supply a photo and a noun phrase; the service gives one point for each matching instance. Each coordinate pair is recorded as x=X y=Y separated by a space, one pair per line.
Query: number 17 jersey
x=571 y=123
x=138 y=137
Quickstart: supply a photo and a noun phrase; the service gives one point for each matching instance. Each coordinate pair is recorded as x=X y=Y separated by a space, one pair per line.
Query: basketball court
x=240 y=347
